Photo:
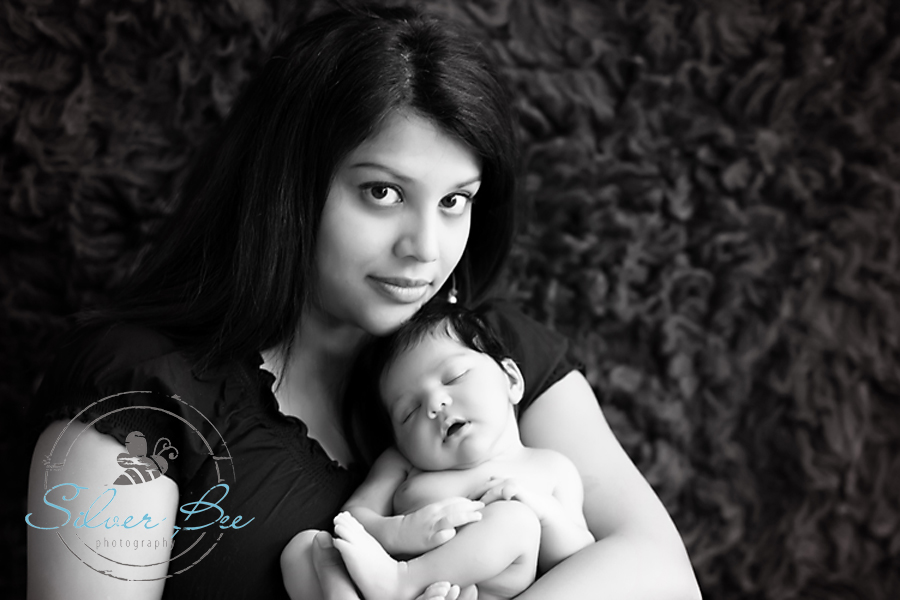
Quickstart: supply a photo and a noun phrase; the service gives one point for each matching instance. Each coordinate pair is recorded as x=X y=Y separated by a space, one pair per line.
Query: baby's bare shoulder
x=547 y=458
x=553 y=465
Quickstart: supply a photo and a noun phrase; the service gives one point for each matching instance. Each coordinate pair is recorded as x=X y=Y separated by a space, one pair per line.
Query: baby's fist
x=436 y=523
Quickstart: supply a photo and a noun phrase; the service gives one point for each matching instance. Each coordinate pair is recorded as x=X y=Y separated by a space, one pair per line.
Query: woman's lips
x=401 y=289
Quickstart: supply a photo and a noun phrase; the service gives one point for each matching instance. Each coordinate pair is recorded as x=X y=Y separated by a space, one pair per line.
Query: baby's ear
x=515 y=379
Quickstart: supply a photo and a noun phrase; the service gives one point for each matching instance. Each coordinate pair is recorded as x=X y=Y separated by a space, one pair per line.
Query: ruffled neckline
x=269 y=403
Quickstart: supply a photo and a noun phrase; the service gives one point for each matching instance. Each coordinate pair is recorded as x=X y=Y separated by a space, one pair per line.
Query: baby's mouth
x=452 y=427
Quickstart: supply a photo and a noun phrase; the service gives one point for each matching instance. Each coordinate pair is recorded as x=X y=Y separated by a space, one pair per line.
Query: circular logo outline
x=51 y=466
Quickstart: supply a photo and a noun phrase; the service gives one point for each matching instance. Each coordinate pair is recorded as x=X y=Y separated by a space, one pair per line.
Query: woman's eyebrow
x=404 y=178
x=371 y=165
x=469 y=182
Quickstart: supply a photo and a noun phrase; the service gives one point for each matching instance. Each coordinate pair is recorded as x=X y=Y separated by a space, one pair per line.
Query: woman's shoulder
x=96 y=360
x=89 y=354
x=543 y=355
x=122 y=378
x=518 y=328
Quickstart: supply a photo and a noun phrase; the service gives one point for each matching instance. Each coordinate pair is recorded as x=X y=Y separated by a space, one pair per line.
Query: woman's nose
x=437 y=403
x=420 y=237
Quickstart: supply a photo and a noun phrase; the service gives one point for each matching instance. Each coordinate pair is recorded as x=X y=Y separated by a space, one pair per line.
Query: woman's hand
x=443 y=590
x=337 y=585
x=333 y=576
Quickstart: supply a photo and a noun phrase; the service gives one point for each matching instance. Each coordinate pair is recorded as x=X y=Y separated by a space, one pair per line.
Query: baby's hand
x=435 y=524
x=498 y=488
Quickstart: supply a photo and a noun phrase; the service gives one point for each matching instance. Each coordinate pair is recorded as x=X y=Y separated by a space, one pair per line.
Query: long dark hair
x=235 y=272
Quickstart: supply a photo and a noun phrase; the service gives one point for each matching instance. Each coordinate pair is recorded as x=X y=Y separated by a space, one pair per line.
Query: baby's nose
x=437 y=403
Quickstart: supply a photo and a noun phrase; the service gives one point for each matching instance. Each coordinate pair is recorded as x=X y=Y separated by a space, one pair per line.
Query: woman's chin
x=388 y=320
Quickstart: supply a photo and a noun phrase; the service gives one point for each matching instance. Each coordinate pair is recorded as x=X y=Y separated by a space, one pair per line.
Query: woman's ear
x=515 y=379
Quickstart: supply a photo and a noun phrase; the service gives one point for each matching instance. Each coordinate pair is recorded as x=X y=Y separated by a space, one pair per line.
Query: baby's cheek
x=404 y=443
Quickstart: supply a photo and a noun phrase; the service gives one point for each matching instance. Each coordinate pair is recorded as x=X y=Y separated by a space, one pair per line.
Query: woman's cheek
x=459 y=237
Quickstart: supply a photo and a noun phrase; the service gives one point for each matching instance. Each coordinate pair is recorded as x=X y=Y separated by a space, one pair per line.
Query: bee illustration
x=140 y=468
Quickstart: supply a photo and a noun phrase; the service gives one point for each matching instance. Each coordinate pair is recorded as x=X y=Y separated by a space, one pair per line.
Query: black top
x=226 y=427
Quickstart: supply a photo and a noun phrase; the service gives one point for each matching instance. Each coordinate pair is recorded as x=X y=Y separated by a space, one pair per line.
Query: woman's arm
x=337 y=585
x=53 y=570
x=639 y=553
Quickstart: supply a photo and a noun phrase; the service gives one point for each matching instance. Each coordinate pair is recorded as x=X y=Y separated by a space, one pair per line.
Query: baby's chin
x=463 y=461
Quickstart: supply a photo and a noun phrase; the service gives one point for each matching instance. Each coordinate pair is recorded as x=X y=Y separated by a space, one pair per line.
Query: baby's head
x=449 y=388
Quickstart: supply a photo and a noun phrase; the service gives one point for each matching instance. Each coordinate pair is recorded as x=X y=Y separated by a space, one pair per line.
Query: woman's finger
x=333 y=577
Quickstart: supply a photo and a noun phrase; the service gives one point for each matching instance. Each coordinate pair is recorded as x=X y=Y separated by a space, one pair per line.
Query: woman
x=368 y=168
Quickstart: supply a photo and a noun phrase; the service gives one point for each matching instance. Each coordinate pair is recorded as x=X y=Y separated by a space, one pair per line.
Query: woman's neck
x=311 y=377
x=321 y=355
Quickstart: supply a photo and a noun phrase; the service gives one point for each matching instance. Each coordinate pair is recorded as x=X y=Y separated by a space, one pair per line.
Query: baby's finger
x=458 y=519
x=443 y=536
x=459 y=504
x=509 y=491
x=492 y=495
x=503 y=491
x=485 y=487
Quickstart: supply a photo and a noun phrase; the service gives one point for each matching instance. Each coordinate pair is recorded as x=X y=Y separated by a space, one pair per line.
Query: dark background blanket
x=714 y=206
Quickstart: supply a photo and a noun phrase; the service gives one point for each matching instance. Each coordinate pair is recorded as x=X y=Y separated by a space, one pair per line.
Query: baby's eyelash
x=456 y=377
x=409 y=414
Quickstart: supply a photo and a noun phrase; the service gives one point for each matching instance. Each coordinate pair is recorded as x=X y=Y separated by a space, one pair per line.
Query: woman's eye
x=381 y=194
x=455 y=204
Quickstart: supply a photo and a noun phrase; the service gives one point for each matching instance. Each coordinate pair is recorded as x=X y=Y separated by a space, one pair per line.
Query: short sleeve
x=122 y=379
x=543 y=355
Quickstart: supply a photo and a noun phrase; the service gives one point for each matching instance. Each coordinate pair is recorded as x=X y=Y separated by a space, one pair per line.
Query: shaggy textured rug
x=714 y=207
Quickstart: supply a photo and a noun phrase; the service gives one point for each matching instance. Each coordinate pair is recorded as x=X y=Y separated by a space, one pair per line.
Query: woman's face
x=395 y=224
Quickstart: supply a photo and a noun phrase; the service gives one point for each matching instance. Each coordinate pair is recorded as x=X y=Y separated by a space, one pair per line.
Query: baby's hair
x=365 y=418
x=439 y=318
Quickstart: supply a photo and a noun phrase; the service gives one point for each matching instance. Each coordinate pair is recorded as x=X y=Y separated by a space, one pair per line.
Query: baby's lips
x=448 y=423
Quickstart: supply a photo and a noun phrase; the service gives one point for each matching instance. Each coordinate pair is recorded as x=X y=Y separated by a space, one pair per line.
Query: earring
x=452 y=295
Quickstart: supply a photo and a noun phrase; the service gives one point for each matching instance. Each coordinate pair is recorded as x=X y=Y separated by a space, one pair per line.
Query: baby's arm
x=564 y=530
x=412 y=534
x=372 y=502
